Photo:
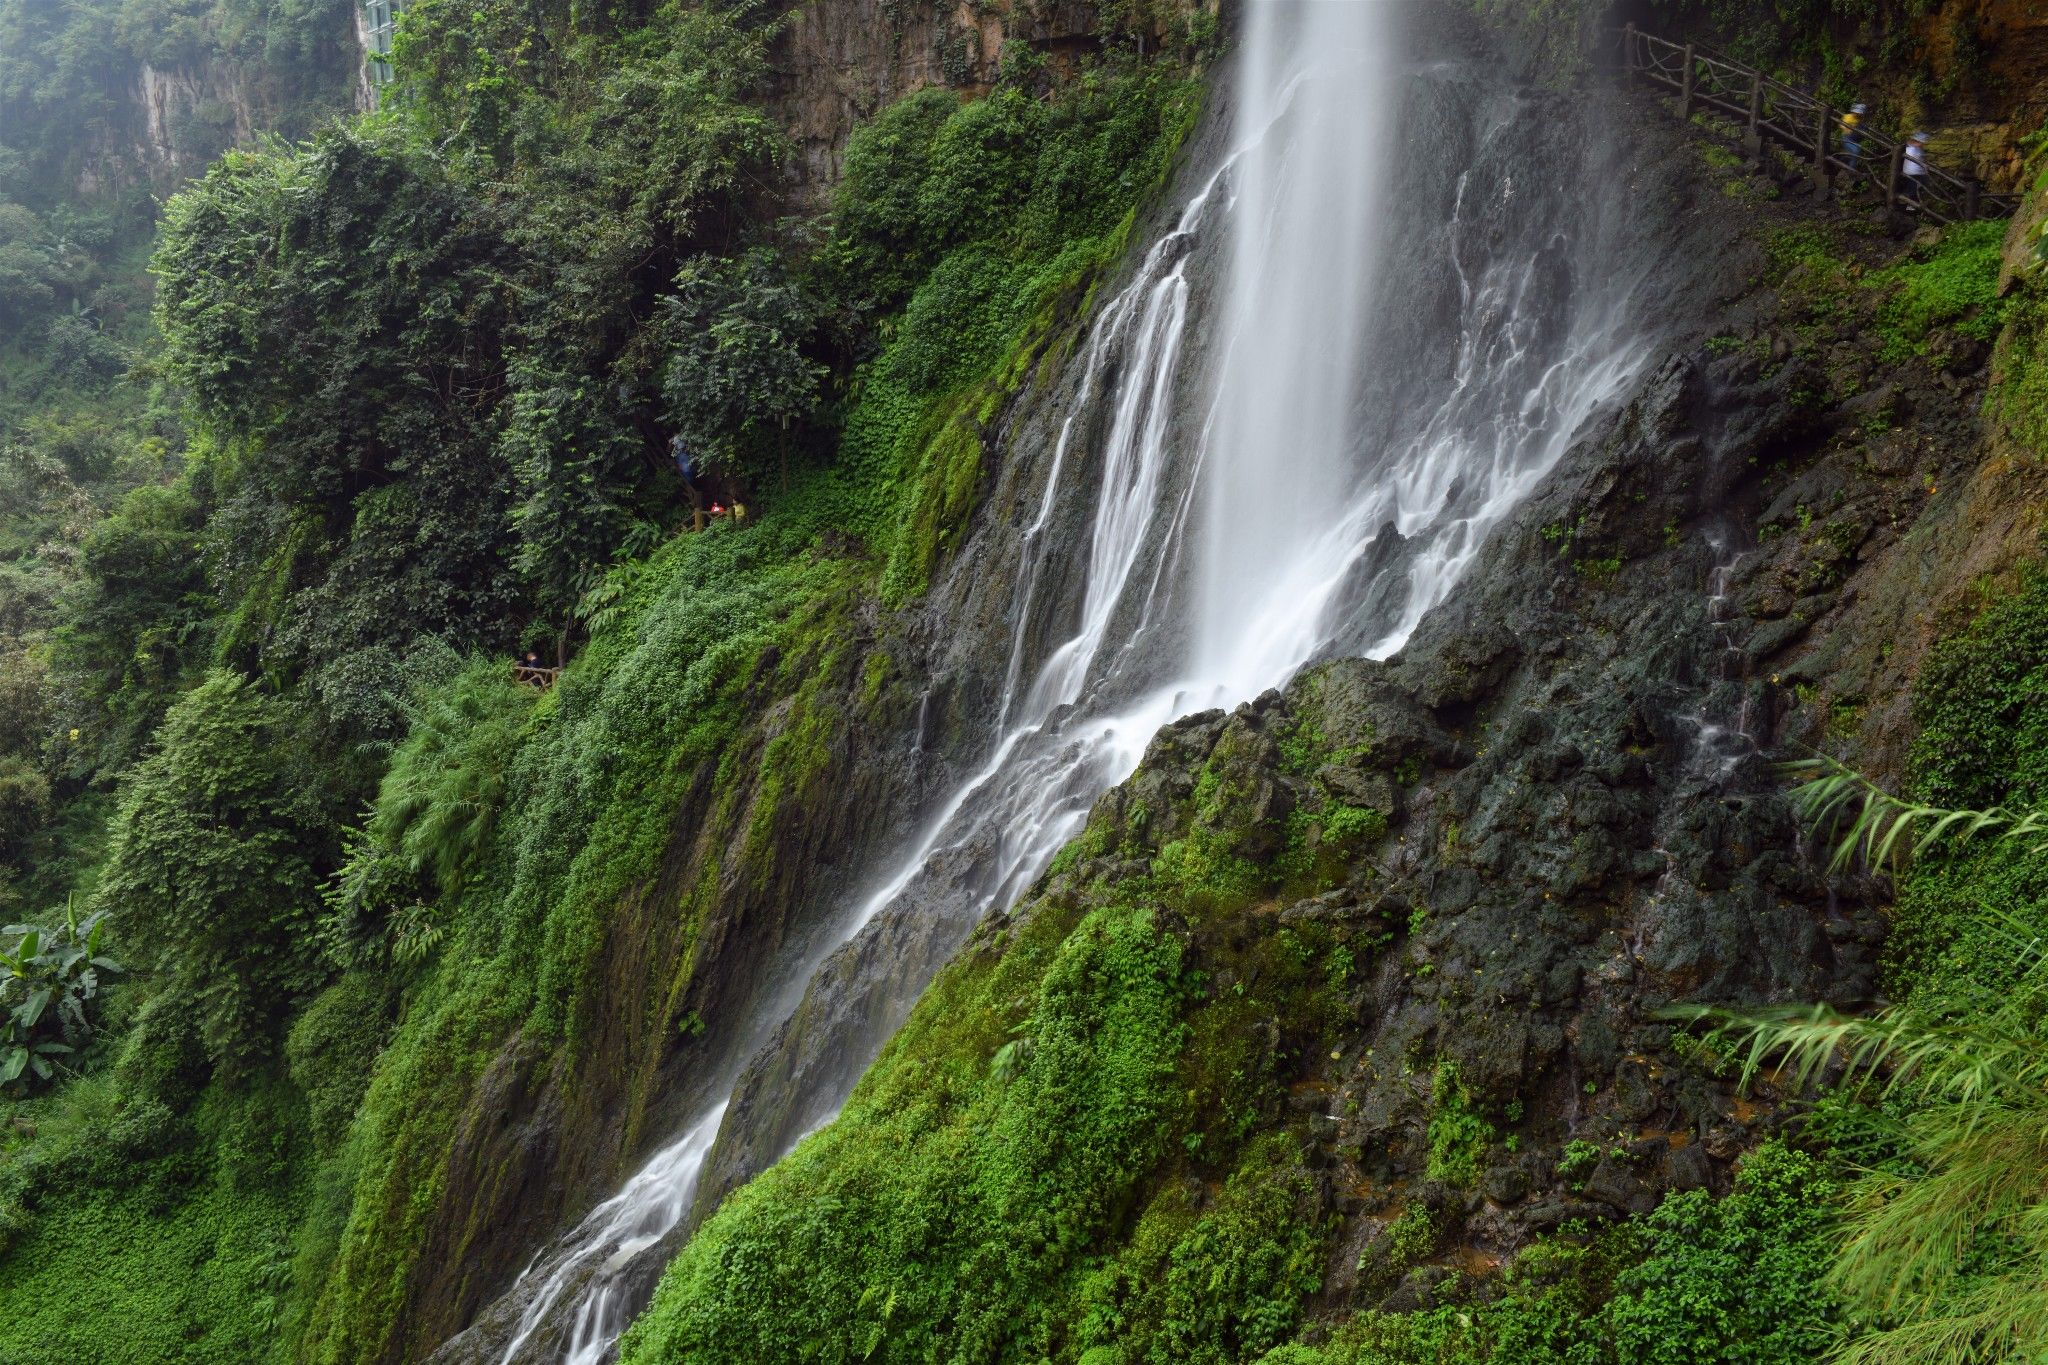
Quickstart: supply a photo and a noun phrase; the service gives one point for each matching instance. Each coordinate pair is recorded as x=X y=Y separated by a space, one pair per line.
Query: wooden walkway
x=1772 y=113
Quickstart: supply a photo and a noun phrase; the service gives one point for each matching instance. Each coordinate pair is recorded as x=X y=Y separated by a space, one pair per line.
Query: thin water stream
x=1295 y=425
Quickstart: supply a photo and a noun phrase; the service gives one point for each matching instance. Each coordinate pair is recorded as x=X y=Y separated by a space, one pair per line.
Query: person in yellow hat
x=1852 y=138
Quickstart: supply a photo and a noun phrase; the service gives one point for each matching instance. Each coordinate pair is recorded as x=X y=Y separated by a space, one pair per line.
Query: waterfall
x=1302 y=462
x=1280 y=470
x=606 y=1241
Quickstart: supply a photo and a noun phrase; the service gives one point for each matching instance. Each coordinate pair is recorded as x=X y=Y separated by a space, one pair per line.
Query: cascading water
x=1304 y=465
x=608 y=1239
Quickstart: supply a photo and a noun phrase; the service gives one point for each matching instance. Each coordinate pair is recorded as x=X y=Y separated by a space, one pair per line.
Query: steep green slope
x=386 y=336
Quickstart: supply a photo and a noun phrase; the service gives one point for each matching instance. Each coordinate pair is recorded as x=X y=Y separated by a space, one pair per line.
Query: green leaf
x=31 y=1010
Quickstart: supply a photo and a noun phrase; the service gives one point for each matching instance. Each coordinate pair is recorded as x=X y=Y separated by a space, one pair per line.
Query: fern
x=1871 y=824
x=1946 y=1247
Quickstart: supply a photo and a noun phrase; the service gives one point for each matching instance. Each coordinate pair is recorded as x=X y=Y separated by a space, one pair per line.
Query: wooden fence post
x=1685 y=89
x=1756 y=111
x=1822 y=126
x=1972 y=193
x=1891 y=181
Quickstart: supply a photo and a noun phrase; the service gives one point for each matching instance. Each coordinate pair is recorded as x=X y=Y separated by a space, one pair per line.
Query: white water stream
x=1251 y=509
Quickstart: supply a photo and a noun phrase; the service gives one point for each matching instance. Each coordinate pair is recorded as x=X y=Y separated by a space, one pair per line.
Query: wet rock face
x=1575 y=760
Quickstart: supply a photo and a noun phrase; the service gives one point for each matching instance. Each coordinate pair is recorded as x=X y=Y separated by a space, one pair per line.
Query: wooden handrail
x=543 y=678
x=1771 y=111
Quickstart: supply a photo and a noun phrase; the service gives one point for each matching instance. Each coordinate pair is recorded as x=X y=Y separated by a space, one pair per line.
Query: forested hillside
x=750 y=365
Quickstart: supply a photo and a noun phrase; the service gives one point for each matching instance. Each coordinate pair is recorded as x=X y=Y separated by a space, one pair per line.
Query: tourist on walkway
x=1916 y=170
x=1852 y=138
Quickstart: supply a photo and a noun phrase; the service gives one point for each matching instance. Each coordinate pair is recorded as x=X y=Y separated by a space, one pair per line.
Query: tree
x=214 y=871
x=737 y=378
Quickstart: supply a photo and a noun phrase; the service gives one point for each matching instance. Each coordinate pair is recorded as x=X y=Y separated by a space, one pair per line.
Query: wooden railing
x=1773 y=113
x=543 y=678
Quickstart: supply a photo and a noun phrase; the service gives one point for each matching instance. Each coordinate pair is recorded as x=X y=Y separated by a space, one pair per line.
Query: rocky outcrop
x=173 y=121
x=841 y=60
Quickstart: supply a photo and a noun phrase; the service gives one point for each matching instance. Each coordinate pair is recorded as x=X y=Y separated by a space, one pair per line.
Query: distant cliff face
x=844 y=59
x=171 y=119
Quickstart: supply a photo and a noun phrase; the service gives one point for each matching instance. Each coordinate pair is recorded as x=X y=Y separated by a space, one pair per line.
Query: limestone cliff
x=841 y=60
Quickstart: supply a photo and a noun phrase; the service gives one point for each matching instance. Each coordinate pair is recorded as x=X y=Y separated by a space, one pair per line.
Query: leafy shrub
x=1061 y=1140
x=879 y=247
x=437 y=808
x=2019 y=390
x=51 y=977
x=331 y=1048
x=212 y=873
x=1735 y=1278
x=1738 y=1280
x=736 y=377
x=1981 y=739
x=133 y=621
x=1457 y=1135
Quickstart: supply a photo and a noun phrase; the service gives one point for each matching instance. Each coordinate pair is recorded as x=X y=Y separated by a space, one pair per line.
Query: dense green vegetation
x=1701 y=1279
x=297 y=871
x=408 y=404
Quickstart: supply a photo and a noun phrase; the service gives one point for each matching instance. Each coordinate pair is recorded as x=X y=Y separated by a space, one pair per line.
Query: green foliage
x=178 y=1225
x=48 y=980
x=999 y=246
x=879 y=243
x=736 y=379
x=1952 y=284
x=1214 y=1287
x=212 y=873
x=331 y=1048
x=965 y=1208
x=1943 y=1253
x=2019 y=391
x=1576 y=1160
x=947 y=1209
x=1735 y=1280
x=1976 y=705
x=433 y=362
x=436 y=811
x=1458 y=1135
x=133 y=623
x=1871 y=824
